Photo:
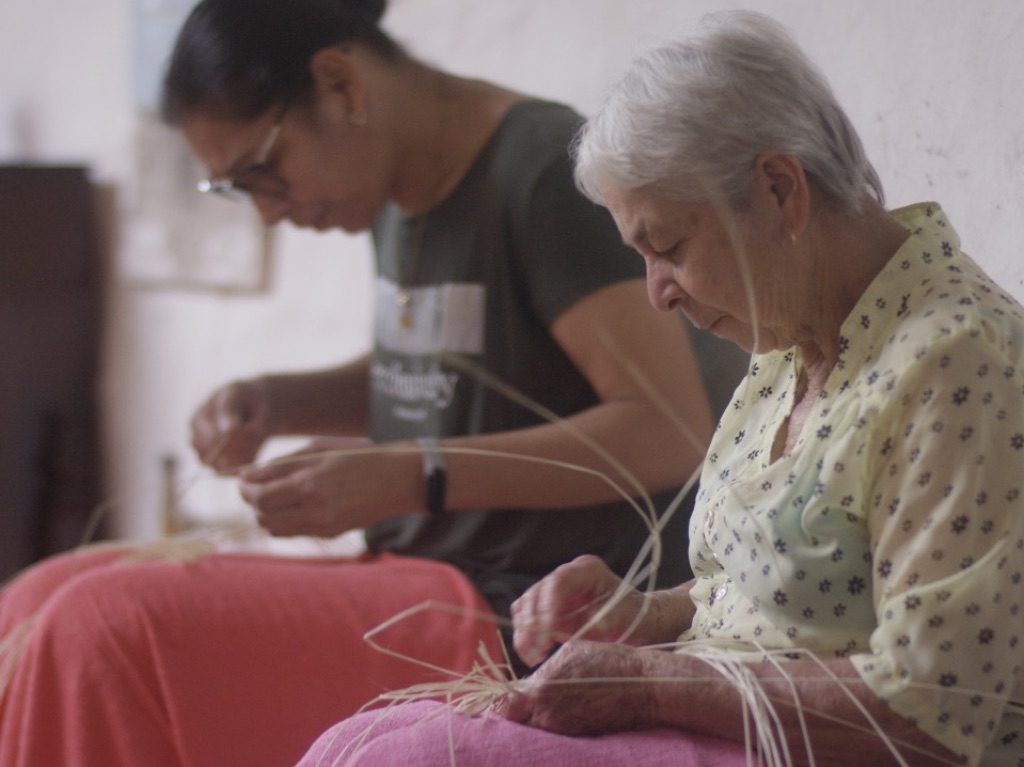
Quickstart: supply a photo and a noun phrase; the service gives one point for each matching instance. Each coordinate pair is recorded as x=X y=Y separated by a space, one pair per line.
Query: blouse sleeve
x=946 y=522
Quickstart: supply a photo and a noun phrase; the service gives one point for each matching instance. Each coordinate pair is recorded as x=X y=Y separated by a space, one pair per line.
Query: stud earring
x=357 y=118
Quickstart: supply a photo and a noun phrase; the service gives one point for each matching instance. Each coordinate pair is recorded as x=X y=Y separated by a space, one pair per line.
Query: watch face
x=437 y=482
x=434 y=474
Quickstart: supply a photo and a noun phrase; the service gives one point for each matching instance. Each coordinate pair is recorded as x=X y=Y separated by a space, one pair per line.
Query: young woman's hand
x=334 y=485
x=231 y=426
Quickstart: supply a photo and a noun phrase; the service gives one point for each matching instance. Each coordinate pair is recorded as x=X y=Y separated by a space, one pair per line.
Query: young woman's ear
x=339 y=83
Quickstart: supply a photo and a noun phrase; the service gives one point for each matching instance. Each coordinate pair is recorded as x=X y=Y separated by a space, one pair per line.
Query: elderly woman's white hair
x=689 y=118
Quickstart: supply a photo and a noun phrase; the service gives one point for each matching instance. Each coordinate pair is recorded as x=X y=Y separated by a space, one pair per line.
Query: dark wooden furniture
x=50 y=317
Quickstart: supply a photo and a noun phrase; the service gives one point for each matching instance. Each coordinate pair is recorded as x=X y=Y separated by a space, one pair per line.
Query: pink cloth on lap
x=228 y=660
x=419 y=735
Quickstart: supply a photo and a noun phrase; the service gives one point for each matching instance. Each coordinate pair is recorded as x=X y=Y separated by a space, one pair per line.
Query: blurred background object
x=50 y=326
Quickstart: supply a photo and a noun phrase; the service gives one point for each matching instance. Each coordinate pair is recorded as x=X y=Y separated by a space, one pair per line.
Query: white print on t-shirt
x=435 y=386
x=430 y=321
x=435 y=319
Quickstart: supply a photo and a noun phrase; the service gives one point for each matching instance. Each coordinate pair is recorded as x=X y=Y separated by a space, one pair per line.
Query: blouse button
x=718 y=594
x=709 y=524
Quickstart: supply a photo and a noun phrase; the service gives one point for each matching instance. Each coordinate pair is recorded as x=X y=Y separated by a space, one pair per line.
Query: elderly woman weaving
x=857 y=540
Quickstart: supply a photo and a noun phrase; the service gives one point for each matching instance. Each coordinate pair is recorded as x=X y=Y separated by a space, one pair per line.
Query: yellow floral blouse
x=893 y=534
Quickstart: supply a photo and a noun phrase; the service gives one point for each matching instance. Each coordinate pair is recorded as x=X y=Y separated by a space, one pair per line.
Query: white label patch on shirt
x=435 y=319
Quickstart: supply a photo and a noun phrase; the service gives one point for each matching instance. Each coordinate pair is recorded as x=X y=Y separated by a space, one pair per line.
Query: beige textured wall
x=933 y=85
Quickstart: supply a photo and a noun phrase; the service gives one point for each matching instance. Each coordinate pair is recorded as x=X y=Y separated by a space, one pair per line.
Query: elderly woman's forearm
x=669 y=614
x=823 y=709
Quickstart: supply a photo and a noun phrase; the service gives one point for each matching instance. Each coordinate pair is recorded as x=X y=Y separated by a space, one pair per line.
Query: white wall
x=933 y=86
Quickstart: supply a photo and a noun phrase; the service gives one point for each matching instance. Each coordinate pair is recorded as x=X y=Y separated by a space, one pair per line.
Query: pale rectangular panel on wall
x=156 y=24
x=174 y=237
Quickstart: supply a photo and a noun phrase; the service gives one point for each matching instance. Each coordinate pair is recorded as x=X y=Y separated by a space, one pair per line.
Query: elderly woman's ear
x=781 y=184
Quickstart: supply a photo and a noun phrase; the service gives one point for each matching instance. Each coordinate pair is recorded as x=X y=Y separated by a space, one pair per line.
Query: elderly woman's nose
x=662 y=289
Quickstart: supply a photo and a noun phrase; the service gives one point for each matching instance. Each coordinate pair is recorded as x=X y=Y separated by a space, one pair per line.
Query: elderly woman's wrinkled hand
x=573 y=597
x=586 y=688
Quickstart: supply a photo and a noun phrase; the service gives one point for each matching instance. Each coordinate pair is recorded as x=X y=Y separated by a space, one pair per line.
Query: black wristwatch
x=434 y=474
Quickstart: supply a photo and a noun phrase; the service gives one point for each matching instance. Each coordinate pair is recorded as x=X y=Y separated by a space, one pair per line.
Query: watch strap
x=435 y=475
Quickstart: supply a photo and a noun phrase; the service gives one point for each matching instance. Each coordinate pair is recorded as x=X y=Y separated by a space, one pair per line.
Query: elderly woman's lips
x=703 y=324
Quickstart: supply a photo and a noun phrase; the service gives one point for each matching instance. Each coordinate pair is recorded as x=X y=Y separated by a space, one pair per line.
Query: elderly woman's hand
x=586 y=688
x=557 y=607
x=585 y=594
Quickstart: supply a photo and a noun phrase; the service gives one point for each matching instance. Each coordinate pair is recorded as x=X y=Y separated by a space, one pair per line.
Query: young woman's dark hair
x=235 y=59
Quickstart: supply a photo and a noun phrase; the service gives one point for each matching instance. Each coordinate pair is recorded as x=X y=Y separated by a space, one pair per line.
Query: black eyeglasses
x=258 y=179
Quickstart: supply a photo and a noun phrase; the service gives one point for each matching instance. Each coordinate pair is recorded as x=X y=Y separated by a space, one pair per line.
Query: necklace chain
x=408 y=271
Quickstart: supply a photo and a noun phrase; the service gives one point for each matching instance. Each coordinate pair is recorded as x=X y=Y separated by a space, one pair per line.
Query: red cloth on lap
x=230 y=659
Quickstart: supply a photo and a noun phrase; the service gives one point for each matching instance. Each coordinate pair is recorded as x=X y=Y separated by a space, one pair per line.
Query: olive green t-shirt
x=484 y=276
